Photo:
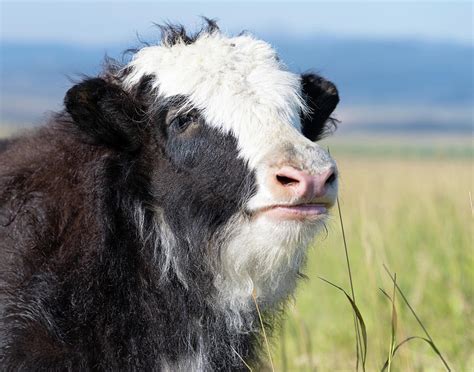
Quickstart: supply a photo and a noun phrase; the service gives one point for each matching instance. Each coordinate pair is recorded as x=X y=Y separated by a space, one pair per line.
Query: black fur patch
x=106 y=113
x=83 y=286
x=322 y=98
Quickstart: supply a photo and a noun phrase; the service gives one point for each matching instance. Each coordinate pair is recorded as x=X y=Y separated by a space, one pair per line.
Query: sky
x=98 y=22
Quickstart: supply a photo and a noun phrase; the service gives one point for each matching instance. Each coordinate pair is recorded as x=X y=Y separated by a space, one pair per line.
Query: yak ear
x=105 y=113
x=322 y=98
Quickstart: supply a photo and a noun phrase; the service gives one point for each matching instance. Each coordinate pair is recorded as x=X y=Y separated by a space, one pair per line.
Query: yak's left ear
x=322 y=98
x=105 y=114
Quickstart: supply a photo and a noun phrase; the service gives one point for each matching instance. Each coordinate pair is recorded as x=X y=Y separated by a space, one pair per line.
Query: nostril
x=331 y=179
x=286 y=181
x=304 y=184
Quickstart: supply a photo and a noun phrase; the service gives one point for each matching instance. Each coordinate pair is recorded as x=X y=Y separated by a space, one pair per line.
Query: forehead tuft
x=234 y=73
x=237 y=83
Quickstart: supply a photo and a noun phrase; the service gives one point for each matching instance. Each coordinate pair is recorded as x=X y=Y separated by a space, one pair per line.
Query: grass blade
x=242 y=359
x=349 y=271
x=394 y=323
x=429 y=342
x=470 y=200
x=360 y=320
x=429 y=338
x=284 y=362
x=254 y=296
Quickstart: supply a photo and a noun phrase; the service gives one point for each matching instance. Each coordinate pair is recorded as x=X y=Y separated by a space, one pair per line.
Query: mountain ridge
x=378 y=72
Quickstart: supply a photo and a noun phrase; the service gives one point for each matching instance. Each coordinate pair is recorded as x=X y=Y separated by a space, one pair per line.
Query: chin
x=264 y=255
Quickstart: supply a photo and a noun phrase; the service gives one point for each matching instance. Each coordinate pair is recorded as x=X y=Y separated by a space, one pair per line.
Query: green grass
x=413 y=215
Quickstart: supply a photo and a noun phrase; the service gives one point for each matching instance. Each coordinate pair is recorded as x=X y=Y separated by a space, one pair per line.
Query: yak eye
x=181 y=123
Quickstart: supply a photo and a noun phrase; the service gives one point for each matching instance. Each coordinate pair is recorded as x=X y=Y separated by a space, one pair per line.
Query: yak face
x=229 y=133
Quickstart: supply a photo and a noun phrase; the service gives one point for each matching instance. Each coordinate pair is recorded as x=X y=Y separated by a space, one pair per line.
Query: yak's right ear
x=105 y=113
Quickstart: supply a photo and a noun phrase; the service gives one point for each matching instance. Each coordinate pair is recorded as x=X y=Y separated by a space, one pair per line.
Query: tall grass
x=414 y=215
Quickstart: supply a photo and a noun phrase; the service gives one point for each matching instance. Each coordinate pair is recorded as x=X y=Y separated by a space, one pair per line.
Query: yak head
x=229 y=138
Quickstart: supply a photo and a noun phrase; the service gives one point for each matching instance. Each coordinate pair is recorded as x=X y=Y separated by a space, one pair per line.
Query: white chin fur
x=264 y=256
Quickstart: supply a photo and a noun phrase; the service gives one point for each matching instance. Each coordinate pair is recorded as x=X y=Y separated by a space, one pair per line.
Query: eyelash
x=181 y=123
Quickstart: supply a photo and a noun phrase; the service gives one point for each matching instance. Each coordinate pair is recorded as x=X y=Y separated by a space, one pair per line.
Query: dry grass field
x=413 y=214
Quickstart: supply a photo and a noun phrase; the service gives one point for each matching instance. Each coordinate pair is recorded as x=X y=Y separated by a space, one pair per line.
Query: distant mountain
x=34 y=77
x=388 y=71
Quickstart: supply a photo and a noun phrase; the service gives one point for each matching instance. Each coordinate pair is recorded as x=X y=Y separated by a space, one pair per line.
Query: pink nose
x=303 y=184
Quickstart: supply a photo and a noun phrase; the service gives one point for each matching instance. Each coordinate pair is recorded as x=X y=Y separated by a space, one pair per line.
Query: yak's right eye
x=180 y=123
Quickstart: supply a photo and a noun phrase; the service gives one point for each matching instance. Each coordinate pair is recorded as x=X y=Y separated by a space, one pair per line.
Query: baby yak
x=138 y=225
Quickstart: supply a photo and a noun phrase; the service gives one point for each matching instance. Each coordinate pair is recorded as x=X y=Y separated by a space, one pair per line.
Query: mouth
x=296 y=212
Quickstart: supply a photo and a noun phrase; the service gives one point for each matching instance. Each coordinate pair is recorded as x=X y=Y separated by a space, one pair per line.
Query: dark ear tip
x=85 y=93
x=313 y=82
x=105 y=114
x=330 y=89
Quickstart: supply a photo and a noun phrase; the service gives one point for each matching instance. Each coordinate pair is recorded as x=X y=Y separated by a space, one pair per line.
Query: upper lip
x=292 y=205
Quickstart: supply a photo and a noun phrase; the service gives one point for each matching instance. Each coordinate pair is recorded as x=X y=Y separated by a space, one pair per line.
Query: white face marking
x=237 y=83
x=240 y=87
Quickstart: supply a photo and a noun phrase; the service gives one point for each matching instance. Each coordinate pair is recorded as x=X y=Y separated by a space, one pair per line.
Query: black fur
x=83 y=288
x=5 y=143
x=105 y=113
x=322 y=98
x=172 y=34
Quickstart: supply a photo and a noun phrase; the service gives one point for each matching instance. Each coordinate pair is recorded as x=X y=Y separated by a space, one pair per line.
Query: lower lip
x=297 y=212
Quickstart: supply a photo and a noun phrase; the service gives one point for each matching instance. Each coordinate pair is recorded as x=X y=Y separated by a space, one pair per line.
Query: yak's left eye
x=181 y=123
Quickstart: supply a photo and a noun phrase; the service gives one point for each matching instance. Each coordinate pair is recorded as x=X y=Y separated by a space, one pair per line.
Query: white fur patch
x=264 y=257
x=193 y=363
x=237 y=83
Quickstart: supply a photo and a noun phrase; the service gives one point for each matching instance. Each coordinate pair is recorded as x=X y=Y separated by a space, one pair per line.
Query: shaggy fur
x=128 y=239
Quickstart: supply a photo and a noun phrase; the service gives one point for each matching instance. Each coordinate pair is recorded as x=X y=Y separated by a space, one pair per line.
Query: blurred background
x=404 y=148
